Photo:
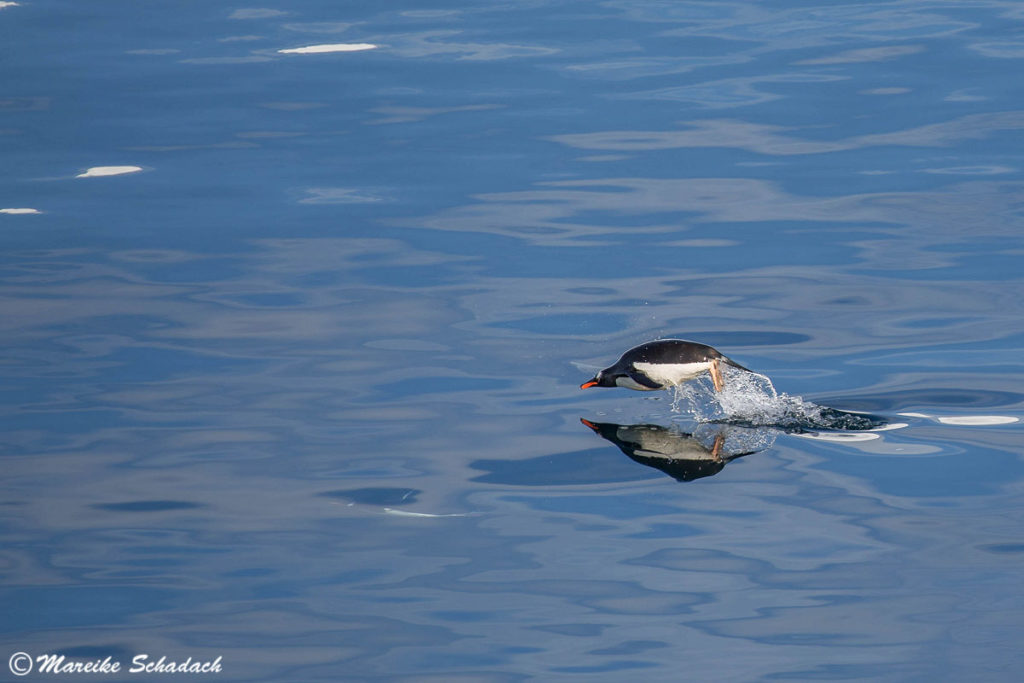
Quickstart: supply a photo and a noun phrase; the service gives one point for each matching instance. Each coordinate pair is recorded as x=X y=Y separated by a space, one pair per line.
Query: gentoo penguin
x=662 y=364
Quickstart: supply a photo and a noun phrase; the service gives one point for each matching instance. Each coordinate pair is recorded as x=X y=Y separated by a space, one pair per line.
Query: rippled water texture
x=296 y=299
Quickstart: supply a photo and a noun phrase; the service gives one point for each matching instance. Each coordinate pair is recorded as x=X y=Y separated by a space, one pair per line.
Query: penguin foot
x=716 y=450
x=716 y=374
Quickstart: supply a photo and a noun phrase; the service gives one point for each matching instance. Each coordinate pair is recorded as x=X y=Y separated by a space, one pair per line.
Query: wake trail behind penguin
x=750 y=399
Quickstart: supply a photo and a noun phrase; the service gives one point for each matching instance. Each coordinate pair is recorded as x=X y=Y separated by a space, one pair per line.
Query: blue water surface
x=296 y=384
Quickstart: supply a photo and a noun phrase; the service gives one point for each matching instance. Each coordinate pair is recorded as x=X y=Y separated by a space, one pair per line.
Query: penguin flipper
x=644 y=380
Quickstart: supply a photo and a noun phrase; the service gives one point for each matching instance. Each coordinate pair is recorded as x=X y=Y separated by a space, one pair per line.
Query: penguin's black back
x=670 y=351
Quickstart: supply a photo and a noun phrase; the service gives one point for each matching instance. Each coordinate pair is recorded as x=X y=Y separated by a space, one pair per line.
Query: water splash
x=749 y=399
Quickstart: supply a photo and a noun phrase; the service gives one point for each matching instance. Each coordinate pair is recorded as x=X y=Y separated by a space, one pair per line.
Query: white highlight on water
x=968 y=420
x=409 y=513
x=333 y=47
x=103 y=171
x=842 y=437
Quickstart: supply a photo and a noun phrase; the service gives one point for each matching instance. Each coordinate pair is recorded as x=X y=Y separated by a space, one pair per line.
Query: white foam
x=20 y=211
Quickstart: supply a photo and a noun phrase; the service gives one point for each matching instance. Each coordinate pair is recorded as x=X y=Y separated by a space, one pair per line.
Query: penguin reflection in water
x=662 y=364
x=682 y=456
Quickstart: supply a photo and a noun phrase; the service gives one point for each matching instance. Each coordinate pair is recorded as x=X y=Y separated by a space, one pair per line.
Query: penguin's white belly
x=626 y=382
x=672 y=373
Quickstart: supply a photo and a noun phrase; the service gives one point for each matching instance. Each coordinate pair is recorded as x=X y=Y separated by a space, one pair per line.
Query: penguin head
x=605 y=378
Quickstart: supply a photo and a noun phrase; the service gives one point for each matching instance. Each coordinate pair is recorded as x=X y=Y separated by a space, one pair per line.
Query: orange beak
x=587 y=385
x=589 y=424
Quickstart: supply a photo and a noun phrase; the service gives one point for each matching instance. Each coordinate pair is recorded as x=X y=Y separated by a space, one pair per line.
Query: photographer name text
x=22 y=664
